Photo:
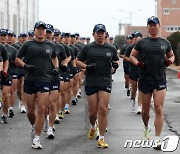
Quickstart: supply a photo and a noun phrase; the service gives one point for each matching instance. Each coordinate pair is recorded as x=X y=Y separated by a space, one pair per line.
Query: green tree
x=119 y=40
x=174 y=38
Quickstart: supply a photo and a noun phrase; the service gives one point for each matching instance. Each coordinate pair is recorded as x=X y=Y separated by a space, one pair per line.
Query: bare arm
x=5 y=65
x=133 y=56
x=80 y=64
x=125 y=58
x=170 y=56
x=55 y=62
x=19 y=62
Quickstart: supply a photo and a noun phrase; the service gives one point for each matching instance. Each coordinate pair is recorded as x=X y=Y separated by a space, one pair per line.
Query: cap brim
x=41 y=25
x=155 y=22
x=100 y=29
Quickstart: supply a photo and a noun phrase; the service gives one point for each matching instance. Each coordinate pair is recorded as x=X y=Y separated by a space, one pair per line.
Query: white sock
x=36 y=138
x=10 y=108
x=147 y=127
x=157 y=138
x=67 y=106
x=101 y=137
x=50 y=128
x=93 y=127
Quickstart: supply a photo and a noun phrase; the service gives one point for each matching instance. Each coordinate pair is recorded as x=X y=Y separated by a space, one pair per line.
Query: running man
x=38 y=56
x=155 y=55
x=98 y=58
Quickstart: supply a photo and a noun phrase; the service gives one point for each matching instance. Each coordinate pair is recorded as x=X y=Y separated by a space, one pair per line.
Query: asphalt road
x=71 y=133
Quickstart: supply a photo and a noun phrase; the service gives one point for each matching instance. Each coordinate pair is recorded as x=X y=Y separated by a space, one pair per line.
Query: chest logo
x=48 y=51
x=163 y=47
x=108 y=54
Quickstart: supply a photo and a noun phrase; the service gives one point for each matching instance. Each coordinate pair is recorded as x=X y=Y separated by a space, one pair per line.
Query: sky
x=82 y=15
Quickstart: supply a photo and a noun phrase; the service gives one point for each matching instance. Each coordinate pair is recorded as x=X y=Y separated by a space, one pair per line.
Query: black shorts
x=32 y=87
x=55 y=85
x=66 y=77
x=134 y=74
x=126 y=69
x=148 y=86
x=20 y=72
x=7 y=82
x=92 y=90
x=14 y=75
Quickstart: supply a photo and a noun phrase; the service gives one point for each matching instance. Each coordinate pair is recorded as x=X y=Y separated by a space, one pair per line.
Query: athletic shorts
x=66 y=77
x=148 y=86
x=55 y=85
x=134 y=74
x=14 y=75
x=7 y=82
x=32 y=87
x=92 y=90
x=126 y=69
x=20 y=72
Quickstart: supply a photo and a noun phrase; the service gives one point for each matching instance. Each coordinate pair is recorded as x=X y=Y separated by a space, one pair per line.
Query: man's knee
x=102 y=111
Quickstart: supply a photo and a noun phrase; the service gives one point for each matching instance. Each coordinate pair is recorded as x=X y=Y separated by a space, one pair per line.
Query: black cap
x=39 y=23
x=22 y=34
x=82 y=38
x=136 y=34
x=111 y=38
x=73 y=35
x=129 y=37
x=67 y=34
x=153 y=19
x=77 y=34
x=3 y=31
x=10 y=33
x=99 y=27
x=57 y=31
x=87 y=38
x=31 y=33
x=49 y=28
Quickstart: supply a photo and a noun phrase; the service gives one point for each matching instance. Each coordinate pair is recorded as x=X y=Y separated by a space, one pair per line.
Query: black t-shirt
x=3 y=53
x=75 y=50
x=12 y=69
x=152 y=52
x=132 y=67
x=102 y=56
x=122 y=52
x=40 y=55
x=17 y=46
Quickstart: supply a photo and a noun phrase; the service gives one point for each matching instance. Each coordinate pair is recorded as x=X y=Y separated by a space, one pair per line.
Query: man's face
x=24 y=39
x=153 y=28
x=57 y=38
x=40 y=32
x=49 y=35
x=3 y=38
x=10 y=39
x=73 y=40
x=67 y=39
x=99 y=36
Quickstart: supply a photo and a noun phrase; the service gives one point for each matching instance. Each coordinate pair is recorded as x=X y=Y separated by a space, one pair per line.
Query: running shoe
x=23 y=109
x=128 y=92
x=145 y=135
x=50 y=134
x=74 y=102
x=1 y=104
x=4 y=119
x=32 y=134
x=139 y=110
x=158 y=147
x=66 y=110
x=57 y=120
x=53 y=128
x=46 y=125
x=36 y=144
x=102 y=144
x=91 y=134
x=10 y=113
x=61 y=115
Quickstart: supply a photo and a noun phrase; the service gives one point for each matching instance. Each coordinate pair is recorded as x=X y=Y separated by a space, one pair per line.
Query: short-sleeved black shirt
x=152 y=52
x=3 y=53
x=133 y=67
x=102 y=56
x=40 y=55
x=17 y=46
x=122 y=52
x=12 y=56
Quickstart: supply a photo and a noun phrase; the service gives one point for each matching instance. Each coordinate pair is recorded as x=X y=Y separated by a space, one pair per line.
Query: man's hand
x=115 y=65
x=140 y=64
x=167 y=63
x=55 y=71
x=30 y=67
x=63 y=68
x=91 y=67
x=4 y=75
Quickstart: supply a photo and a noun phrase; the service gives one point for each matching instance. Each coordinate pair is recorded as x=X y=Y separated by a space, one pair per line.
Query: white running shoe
x=36 y=144
x=139 y=110
x=145 y=135
x=133 y=107
x=32 y=134
x=57 y=120
x=23 y=109
x=20 y=104
x=50 y=134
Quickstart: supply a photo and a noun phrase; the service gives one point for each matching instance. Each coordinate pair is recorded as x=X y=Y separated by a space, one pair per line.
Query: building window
x=173 y=2
x=166 y=11
x=172 y=29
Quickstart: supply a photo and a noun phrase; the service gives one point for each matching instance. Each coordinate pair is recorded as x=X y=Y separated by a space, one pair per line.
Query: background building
x=168 y=12
x=18 y=15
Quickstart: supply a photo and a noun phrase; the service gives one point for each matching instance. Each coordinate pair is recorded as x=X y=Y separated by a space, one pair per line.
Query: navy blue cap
x=129 y=37
x=82 y=38
x=10 y=32
x=49 y=28
x=3 y=31
x=99 y=27
x=62 y=34
x=67 y=34
x=136 y=34
x=107 y=34
x=111 y=38
x=74 y=35
x=77 y=34
x=87 y=38
x=57 y=31
x=153 y=19
x=39 y=23
x=22 y=34
x=31 y=33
